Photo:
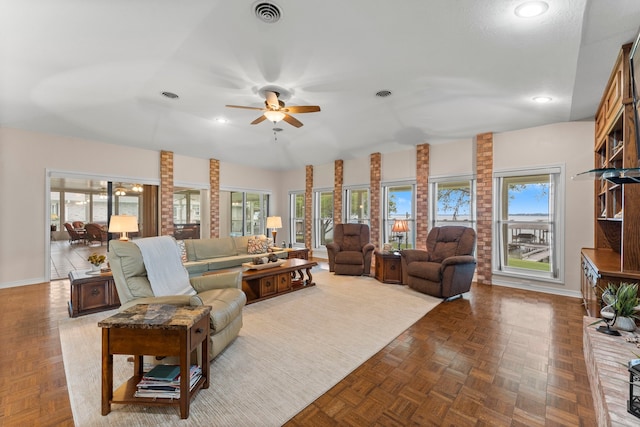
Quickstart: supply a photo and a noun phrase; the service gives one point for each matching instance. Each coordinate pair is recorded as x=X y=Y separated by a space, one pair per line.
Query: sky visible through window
x=529 y=199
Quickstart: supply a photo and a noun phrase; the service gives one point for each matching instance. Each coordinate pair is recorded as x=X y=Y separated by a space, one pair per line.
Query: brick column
x=166 y=193
x=308 y=202
x=375 y=178
x=484 y=202
x=338 y=174
x=422 y=195
x=214 y=197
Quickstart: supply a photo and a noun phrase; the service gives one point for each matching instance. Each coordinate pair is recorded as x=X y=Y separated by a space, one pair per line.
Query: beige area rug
x=291 y=350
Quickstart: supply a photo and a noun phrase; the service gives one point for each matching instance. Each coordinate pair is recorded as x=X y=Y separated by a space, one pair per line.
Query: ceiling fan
x=275 y=110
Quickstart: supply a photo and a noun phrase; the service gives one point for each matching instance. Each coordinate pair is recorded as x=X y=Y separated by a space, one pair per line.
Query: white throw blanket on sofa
x=165 y=271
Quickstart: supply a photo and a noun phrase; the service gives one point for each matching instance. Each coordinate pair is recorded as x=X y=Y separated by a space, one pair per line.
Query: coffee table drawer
x=268 y=286
x=284 y=282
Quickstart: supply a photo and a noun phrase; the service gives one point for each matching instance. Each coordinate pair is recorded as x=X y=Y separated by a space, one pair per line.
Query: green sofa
x=202 y=255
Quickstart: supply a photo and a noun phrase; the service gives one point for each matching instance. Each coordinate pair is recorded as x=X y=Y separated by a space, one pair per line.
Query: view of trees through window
x=357 y=208
x=453 y=203
x=297 y=219
x=324 y=217
x=399 y=204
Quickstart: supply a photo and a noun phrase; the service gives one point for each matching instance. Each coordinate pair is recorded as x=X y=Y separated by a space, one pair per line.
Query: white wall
x=25 y=158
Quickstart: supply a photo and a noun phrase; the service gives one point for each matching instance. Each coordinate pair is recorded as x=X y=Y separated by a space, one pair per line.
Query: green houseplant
x=625 y=301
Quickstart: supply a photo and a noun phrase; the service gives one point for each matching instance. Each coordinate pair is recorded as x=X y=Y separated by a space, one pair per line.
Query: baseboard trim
x=537 y=288
x=25 y=282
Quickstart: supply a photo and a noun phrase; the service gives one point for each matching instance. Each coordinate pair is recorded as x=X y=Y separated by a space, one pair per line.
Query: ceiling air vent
x=383 y=93
x=268 y=12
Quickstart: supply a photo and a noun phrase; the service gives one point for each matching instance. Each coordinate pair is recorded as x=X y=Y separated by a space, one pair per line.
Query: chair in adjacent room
x=350 y=252
x=446 y=268
x=95 y=233
x=74 y=236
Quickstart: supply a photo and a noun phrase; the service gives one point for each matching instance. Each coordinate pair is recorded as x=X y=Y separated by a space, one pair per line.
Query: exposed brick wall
x=308 y=200
x=484 y=202
x=374 y=207
x=338 y=176
x=214 y=197
x=166 y=193
x=422 y=195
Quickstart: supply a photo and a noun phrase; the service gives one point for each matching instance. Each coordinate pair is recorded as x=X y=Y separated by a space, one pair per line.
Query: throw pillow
x=183 y=250
x=257 y=246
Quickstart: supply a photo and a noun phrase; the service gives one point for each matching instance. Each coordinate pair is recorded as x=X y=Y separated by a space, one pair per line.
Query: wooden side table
x=91 y=293
x=301 y=253
x=388 y=267
x=154 y=329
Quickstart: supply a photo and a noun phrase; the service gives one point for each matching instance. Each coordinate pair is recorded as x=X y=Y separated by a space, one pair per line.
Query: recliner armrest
x=460 y=259
x=368 y=248
x=333 y=247
x=412 y=255
x=228 y=279
x=168 y=299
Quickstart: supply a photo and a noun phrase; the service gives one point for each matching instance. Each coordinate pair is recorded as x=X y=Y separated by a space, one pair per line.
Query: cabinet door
x=268 y=286
x=94 y=295
x=284 y=282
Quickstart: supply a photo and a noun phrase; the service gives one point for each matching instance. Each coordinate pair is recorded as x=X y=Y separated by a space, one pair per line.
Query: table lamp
x=123 y=224
x=400 y=226
x=274 y=222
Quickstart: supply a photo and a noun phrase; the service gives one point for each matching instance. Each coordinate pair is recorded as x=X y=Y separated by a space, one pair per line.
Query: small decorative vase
x=95 y=268
x=625 y=324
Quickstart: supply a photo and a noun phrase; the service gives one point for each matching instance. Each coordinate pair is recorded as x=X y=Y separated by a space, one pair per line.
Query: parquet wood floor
x=497 y=357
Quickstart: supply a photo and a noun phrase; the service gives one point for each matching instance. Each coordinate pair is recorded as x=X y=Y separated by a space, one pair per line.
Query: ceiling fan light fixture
x=274 y=116
x=120 y=192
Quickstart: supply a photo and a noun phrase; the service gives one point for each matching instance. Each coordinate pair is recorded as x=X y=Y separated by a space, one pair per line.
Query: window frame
x=317 y=195
x=556 y=224
x=434 y=183
x=348 y=191
x=293 y=219
x=264 y=204
x=387 y=221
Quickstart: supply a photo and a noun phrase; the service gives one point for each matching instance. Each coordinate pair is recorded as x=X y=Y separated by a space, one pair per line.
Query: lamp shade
x=274 y=222
x=400 y=226
x=123 y=224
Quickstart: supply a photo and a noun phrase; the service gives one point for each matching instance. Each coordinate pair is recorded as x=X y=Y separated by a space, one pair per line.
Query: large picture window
x=323 y=210
x=296 y=215
x=452 y=201
x=248 y=213
x=399 y=204
x=357 y=205
x=529 y=222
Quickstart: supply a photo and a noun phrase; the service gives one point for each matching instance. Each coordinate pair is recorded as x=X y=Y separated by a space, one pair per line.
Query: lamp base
x=273 y=234
x=607 y=330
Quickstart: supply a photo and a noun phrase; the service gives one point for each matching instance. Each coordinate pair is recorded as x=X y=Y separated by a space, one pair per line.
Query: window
x=296 y=215
x=76 y=207
x=357 y=205
x=323 y=203
x=452 y=202
x=398 y=203
x=248 y=213
x=528 y=223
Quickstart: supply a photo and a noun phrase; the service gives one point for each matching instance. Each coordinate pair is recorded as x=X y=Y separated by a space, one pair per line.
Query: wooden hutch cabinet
x=616 y=255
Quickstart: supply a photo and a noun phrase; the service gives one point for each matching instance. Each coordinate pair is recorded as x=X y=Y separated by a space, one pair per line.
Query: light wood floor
x=498 y=356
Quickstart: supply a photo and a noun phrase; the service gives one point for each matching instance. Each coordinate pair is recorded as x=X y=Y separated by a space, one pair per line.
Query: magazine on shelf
x=151 y=386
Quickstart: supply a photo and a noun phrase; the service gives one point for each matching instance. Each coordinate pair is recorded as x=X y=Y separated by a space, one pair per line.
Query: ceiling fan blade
x=296 y=109
x=259 y=120
x=292 y=121
x=246 y=108
x=272 y=100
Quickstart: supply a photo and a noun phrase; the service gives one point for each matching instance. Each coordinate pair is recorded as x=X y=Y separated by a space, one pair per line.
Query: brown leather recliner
x=350 y=252
x=446 y=268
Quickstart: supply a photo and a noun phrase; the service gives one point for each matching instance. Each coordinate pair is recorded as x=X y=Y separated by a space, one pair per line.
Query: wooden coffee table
x=270 y=282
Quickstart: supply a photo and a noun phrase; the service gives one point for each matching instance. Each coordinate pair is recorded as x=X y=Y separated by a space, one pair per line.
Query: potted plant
x=96 y=261
x=625 y=305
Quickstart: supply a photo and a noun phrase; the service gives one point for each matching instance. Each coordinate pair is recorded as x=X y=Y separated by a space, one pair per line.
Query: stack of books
x=163 y=381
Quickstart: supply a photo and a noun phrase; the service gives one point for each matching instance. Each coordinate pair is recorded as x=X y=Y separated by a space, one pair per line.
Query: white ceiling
x=95 y=69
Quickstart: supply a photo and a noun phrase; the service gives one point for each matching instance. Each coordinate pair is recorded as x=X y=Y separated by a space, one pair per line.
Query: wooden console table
x=154 y=329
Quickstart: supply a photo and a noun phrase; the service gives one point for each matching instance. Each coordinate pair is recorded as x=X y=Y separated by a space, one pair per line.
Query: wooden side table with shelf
x=388 y=267
x=160 y=330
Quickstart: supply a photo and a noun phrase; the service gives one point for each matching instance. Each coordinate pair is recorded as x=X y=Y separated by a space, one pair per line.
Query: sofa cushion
x=241 y=243
x=213 y=248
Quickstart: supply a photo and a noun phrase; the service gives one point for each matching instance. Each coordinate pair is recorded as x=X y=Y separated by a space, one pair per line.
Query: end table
x=154 y=329
x=388 y=267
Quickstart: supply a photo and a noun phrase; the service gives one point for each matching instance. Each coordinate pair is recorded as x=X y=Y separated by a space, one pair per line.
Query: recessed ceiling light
x=531 y=9
x=221 y=120
x=542 y=99
x=170 y=95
